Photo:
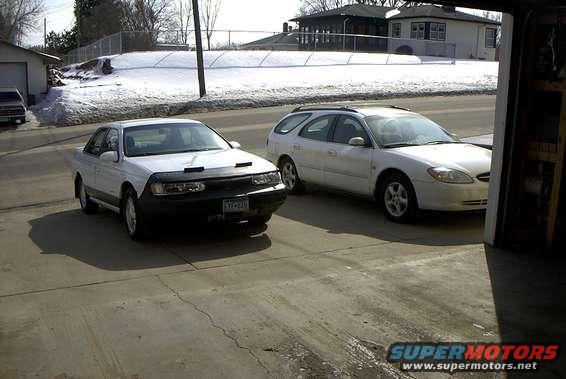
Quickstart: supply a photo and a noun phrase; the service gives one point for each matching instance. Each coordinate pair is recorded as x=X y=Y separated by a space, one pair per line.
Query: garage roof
x=46 y=57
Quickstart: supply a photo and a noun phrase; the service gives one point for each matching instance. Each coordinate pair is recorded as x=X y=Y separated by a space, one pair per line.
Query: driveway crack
x=214 y=324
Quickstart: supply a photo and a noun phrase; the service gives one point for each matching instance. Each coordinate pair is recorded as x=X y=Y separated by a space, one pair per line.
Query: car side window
x=289 y=123
x=347 y=128
x=318 y=129
x=110 y=142
x=94 y=146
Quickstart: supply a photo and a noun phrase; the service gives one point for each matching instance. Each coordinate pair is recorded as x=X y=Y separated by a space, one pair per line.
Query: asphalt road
x=320 y=293
x=35 y=164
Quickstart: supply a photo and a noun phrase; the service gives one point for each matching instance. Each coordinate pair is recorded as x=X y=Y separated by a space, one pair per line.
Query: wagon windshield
x=171 y=139
x=411 y=130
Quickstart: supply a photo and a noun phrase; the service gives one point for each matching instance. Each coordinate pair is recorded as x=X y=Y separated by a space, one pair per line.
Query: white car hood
x=211 y=161
x=464 y=157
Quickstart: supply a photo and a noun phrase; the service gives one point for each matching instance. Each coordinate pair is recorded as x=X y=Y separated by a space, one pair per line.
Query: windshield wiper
x=400 y=144
x=440 y=142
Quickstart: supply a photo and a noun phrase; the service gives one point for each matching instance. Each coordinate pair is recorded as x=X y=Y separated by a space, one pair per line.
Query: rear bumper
x=209 y=206
x=451 y=197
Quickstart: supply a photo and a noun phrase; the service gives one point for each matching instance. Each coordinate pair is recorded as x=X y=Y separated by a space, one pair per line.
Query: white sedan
x=400 y=158
x=144 y=169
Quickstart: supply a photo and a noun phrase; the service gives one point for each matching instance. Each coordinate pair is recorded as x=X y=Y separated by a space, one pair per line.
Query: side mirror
x=357 y=141
x=109 y=156
x=235 y=145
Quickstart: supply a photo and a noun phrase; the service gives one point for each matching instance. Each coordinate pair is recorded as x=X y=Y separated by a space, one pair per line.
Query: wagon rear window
x=291 y=122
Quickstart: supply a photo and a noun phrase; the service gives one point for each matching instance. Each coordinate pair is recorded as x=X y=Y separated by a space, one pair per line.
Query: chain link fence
x=130 y=41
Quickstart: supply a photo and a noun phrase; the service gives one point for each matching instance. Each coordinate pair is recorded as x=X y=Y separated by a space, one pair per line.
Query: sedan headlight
x=161 y=189
x=447 y=175
x=268 y=178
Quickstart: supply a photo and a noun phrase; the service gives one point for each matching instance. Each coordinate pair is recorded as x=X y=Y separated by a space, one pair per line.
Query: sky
x=264 y=15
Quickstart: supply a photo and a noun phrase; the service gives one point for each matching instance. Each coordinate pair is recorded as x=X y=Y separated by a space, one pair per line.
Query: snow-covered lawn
x=149 y=84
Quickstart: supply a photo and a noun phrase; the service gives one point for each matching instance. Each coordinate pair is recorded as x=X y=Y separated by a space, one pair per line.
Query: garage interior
x=527 y=191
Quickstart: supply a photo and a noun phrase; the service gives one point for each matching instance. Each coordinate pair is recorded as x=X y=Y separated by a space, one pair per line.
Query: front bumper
x=12 y=117
x=208 y=205
x=451 y=197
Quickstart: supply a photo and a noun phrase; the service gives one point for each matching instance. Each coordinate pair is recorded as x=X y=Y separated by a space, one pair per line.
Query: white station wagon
x=144 y=169
x=403 y=160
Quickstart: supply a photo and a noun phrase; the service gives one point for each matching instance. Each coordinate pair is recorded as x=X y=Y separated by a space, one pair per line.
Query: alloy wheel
x=396 y=199
x=289 y=175
x=131 y=219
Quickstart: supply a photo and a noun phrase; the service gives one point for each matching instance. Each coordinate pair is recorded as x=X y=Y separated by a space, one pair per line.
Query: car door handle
x=296 y=147
x=332 y=153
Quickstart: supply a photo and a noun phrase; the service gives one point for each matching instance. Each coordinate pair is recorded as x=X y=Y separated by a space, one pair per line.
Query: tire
x=290 y=177
x=22 y=121
x=259 y=220
x=398 y=199
x=134 y=219
x=87 y=205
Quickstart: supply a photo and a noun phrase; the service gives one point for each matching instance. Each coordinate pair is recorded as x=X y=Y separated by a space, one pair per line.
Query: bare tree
x=18 y=18
x=315 y=6
x=147 y=15
x=209 y=11
x=184 y=16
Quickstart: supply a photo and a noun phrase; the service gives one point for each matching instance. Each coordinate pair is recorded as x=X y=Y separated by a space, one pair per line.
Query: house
x=25 y=69
x=286 y=41
x=440 y=28
x=420 y=30
x=317 y=31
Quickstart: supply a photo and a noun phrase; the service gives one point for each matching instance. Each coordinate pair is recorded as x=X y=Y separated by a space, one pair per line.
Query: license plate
x=235 y=205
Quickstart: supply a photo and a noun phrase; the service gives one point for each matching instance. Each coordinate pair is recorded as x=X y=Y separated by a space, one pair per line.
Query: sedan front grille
x=12 y=111
x=475 y=202
x=483 y=177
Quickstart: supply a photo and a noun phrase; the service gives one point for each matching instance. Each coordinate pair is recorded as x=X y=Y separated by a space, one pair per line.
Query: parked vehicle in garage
x=12 y=105
x=163 y=167
x=400 y=158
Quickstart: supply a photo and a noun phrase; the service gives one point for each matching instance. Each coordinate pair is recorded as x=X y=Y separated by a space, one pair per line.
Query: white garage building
x=25 y=69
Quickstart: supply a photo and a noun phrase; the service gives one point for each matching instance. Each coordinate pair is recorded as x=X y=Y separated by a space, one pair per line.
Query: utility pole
x=200 y=63
x=44 y=34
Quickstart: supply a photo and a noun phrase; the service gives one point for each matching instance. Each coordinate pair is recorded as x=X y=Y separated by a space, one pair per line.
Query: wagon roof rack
x=398 y=107
x=325 y=108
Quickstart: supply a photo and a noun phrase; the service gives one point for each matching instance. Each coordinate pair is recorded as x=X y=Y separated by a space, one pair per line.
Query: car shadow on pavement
x=101 y=240
x=529 y=292
x=7 y=126
x=339 y=213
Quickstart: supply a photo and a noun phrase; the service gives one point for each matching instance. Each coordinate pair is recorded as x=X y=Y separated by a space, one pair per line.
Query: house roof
x=433 y=11
x=500 y=5
x=281 y=39
x=353 y=10
x=46 y=57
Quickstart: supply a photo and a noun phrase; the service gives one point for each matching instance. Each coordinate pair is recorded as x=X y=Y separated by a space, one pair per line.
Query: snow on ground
x=148 y=84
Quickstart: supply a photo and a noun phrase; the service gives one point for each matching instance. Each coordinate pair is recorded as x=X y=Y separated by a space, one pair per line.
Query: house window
x=490 y=37
x=437 y=31
x=417 y=30
x=396 y=30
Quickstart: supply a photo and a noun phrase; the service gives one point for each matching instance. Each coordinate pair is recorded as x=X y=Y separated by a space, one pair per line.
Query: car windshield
x=11 y=96
x=171 y=139
x=410 y=130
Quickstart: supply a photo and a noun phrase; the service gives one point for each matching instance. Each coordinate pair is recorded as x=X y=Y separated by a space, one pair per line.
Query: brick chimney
x=285 y=27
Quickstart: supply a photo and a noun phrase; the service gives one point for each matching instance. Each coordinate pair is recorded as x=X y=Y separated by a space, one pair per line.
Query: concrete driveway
x=320 y=293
